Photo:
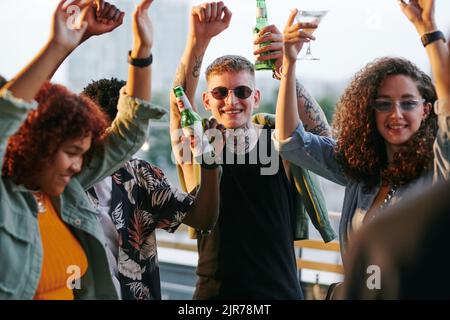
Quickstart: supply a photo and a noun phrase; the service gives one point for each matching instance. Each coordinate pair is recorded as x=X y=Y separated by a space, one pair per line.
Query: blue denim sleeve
x=311 y=152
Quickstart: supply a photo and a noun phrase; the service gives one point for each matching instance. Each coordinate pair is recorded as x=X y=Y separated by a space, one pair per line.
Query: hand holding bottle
x=191 y=124
x=262 y=22
x=272 y=50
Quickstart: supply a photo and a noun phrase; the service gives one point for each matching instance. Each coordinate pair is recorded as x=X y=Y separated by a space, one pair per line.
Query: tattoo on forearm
x=180 y=76
x=197 y=65
x=313 y=112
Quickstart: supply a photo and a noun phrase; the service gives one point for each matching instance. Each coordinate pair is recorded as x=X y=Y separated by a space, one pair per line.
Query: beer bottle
x=261 y=22
x=191 y=123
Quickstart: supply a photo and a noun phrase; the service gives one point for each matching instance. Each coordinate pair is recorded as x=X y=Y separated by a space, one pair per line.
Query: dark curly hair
x=360 y=149
x=106 y=94
x=60 y=116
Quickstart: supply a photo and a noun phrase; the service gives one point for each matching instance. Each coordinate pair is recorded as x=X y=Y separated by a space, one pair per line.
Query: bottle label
x=183 y=103
x=260 y=13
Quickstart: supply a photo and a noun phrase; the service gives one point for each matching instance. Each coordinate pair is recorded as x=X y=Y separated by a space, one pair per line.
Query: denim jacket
x=317 y=154
x=20 y=244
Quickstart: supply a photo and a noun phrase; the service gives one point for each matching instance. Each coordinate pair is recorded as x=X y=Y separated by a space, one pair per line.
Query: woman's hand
x=294 y=37
x=420 y=13
x=142 y=30
x=68 y=25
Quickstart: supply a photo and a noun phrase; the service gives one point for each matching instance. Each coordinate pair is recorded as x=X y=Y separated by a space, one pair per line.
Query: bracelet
x=140 y=63
x=430 y=37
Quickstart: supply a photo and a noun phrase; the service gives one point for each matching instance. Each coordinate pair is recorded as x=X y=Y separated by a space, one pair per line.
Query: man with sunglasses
x=249 y=254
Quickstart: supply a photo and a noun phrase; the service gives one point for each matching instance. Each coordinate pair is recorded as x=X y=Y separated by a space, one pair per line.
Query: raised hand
x=209 y=19
x=420 y=13
x=102 y=17
x=273 y=35
x=294 y=37
x=68 y=25
x=142 y=30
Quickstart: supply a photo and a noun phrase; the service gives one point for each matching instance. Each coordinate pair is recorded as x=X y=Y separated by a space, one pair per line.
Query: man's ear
x=256 y=98
x=206 y=99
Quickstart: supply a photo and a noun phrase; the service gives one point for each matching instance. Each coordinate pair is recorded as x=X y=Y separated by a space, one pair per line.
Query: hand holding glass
x=309 y=16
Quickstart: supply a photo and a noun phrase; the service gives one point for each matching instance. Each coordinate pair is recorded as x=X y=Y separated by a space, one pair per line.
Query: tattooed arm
x=310 y=113
x=207 y=20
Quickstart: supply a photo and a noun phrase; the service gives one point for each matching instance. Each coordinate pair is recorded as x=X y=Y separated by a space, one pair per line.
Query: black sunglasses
x=241 y=92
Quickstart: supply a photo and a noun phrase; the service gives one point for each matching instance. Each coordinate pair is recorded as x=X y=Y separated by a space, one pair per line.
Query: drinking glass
x=310 y=16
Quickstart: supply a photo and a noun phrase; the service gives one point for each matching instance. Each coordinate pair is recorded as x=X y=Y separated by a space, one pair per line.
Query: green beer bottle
x=261 y=22
x=191 y=123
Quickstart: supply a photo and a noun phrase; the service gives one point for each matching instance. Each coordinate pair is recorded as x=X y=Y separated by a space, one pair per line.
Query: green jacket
x=20 y=243
x=308 y=197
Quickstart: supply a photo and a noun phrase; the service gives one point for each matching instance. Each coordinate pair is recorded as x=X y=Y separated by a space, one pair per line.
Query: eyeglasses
x=386 y=105
x=241 y=92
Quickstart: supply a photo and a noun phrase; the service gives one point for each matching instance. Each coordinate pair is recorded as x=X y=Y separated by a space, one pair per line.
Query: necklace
x=373 y=212
x=40 y=199
x=389 y=196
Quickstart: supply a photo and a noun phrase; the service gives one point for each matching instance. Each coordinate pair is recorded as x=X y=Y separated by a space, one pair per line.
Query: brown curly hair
x=60 y=116
x=361 y=150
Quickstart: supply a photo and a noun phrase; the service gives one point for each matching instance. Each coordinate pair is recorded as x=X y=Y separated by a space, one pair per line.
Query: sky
x=353 y=33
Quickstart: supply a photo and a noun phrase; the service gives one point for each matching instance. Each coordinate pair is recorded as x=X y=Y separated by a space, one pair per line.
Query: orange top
x=64 y=259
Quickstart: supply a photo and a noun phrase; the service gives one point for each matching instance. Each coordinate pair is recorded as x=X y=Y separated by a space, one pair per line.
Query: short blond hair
x=229 y=63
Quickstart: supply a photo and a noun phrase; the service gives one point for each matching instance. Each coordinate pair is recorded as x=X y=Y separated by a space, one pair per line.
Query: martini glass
x=310 y=16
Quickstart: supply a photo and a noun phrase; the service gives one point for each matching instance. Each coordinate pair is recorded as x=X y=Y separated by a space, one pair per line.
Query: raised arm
x=206 y=21
x=421 y=15
x=310 y=113
x=64 y=38
x=205 y=208
x=287 y=113
x=101 y=17
x=139 y=78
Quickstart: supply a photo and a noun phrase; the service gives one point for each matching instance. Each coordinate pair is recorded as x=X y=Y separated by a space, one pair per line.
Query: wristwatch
x=140 y=63
x=433 y=36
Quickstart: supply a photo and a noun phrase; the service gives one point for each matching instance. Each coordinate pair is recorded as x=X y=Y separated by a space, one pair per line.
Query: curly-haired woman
x=51 y=242
x=386 y=137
